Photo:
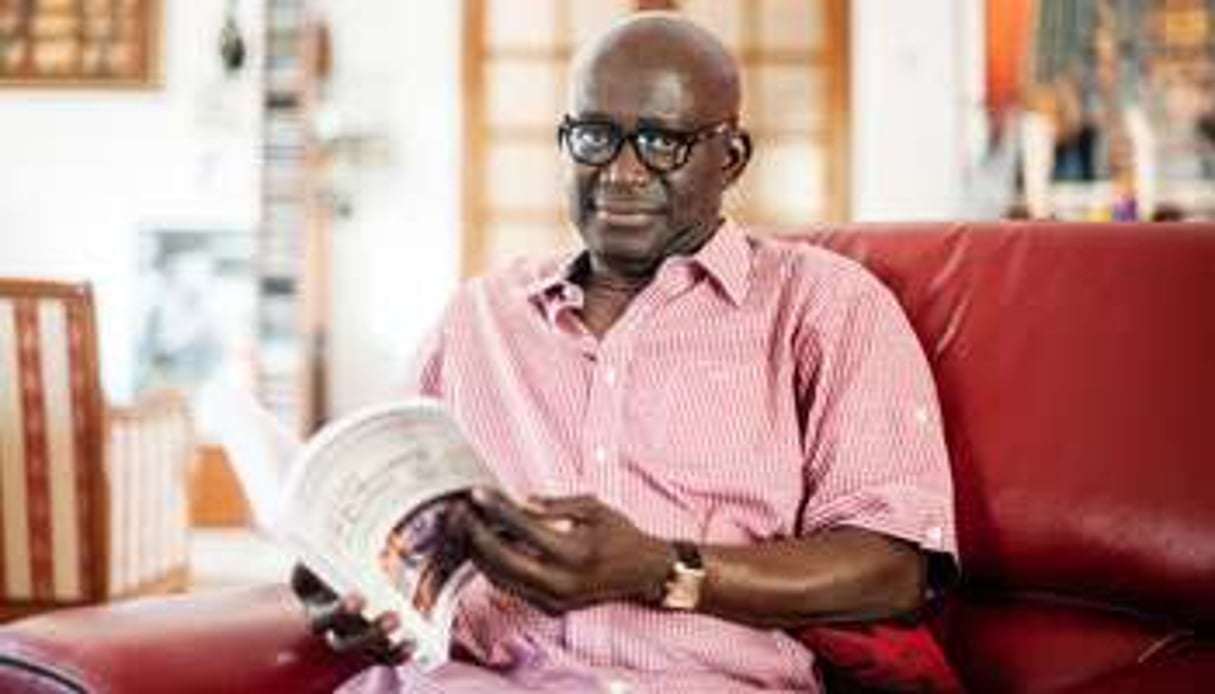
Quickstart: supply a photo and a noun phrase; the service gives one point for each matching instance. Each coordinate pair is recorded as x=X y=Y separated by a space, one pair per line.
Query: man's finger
x=308 y=586
x=371 y=637
x=370 y=640
x=340 y=615
x=579 y=508
x=533 y=595
x=501 y=560
x=392 y=655
x=533 y=530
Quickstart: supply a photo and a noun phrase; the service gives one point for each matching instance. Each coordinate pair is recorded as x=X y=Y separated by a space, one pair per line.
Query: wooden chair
x=93 y=498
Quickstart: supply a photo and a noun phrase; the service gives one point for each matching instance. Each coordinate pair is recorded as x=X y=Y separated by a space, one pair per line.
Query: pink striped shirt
x=754 y=391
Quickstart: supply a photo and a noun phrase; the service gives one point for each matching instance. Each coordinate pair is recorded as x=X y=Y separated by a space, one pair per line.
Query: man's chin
x=632 y=252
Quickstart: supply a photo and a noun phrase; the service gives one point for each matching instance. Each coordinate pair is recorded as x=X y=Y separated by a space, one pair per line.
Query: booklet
x=364 y=509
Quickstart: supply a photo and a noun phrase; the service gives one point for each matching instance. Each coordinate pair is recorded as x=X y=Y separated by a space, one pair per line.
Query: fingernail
x=561 y=525
x=389 y=621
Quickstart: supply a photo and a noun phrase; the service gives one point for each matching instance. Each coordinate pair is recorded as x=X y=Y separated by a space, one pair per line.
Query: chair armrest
x=150 y=450
x=238 y=640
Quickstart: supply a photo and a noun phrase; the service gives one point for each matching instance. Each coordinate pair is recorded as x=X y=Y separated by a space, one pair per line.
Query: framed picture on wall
x=80 y=43
x=197 y=306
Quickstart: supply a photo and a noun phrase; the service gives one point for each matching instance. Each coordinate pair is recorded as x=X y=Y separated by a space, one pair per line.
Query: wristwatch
x=687 y=576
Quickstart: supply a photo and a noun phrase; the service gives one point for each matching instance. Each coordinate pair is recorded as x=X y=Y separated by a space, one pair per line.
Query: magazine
x=364 y=508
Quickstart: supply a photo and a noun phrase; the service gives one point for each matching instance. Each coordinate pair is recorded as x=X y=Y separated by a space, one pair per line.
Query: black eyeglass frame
x=686 y=140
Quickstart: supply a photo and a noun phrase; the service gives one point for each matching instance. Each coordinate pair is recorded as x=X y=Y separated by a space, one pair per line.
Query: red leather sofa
x=1076 y=368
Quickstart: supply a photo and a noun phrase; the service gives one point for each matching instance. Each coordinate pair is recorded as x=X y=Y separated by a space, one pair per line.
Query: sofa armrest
x=239 y=640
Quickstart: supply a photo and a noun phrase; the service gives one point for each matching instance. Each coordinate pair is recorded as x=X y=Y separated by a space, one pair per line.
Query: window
x=793 y=56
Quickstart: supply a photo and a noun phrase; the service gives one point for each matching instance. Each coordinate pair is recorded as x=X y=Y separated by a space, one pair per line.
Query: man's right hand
x=339 y=621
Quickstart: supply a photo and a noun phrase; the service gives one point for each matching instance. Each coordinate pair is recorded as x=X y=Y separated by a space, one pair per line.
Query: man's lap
x=466 y=678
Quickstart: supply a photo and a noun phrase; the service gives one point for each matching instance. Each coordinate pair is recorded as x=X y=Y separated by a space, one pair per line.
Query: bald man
x=719 y=438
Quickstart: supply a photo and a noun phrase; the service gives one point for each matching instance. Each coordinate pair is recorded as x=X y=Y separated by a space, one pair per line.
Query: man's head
x=672 y=90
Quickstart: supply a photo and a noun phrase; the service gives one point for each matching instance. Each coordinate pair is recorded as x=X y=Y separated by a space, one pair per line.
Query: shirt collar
x=726 y=258
x=556 y=279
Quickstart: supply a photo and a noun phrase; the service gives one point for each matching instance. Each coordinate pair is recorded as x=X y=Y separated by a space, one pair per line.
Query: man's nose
x=626 y=168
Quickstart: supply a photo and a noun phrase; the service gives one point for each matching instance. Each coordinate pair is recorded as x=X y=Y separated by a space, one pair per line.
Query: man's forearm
x=842 y=575
x=568 y=553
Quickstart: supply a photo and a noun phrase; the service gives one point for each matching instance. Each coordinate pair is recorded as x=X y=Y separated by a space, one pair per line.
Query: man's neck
x=608 y=290
x=607 y=297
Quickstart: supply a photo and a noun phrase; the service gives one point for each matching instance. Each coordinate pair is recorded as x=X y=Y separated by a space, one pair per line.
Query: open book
x=364 y=508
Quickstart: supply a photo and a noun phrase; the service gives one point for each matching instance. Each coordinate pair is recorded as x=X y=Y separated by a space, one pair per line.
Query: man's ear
x=738 y=153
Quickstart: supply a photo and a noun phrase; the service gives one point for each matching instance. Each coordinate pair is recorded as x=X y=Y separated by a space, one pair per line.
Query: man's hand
x=562 y=554
x=339 y=622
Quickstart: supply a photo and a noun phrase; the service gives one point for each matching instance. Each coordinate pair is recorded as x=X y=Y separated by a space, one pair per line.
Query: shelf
x=1083 y=201
x=290 y=265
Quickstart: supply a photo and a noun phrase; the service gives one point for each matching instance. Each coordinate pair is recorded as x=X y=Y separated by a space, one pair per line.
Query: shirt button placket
x=590 y=630
x=602 y=424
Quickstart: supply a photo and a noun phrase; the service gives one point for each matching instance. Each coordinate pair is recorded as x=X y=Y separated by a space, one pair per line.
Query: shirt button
x=600 y=454
x=609 y=376
x=616 y=687
x=921 y=415
x=935 y=536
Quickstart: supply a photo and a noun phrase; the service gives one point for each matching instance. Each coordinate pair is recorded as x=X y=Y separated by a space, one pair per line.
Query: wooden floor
x=224 y=550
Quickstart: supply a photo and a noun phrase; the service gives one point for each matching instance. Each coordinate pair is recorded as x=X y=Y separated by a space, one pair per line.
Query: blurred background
x=278 y=196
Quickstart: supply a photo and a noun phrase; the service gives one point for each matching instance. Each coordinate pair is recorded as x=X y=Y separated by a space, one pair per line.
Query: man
x=719 y=438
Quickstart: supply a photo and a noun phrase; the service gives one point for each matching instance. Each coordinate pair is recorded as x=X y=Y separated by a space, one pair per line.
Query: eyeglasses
x=594 y=142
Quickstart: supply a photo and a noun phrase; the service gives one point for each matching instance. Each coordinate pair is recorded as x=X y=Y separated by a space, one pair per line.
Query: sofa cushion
x=883 y=656
x=1191 y=671
x=1007 y=644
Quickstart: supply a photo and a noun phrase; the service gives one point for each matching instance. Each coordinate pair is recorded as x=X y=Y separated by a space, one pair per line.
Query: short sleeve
x=425 y=374
x=874 y=447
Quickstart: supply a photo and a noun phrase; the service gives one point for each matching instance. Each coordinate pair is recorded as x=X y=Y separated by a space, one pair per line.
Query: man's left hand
x=565 y=553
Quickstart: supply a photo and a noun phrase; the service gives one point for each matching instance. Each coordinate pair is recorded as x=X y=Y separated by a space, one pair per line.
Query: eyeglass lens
x=596 y=144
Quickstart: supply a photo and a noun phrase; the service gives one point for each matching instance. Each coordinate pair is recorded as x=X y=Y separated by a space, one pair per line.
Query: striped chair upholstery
x=92 y=499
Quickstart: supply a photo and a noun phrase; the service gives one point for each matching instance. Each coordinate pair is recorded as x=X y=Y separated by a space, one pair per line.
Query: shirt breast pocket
x=706 y=420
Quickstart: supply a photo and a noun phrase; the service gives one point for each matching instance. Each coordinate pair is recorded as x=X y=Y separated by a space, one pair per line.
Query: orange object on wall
x=1007 y=34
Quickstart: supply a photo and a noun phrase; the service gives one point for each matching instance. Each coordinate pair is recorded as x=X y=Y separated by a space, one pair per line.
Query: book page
x=365 y=507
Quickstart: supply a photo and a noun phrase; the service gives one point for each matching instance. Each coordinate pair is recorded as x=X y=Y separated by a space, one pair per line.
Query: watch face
x=683 y=590
x=688 y=555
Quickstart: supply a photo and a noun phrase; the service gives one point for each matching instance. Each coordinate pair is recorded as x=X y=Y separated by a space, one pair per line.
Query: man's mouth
x=625 y=214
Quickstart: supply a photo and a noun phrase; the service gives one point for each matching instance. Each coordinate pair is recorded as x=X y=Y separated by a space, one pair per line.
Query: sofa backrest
x=1076 y=369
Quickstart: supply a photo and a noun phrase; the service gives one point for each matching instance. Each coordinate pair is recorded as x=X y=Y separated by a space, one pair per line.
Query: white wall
x=916 y=106
x=82 y=172
x=396 y=257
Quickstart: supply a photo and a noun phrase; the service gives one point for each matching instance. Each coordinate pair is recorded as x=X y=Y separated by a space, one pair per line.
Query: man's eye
x=658 y=141
x=595 y=137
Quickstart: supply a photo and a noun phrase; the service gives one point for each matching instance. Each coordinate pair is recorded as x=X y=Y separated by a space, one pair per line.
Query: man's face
x=629 y=216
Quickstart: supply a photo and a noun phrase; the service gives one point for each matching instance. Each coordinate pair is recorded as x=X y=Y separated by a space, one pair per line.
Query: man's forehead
x=650 y=95
x=658 y=67
x=670 y=93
